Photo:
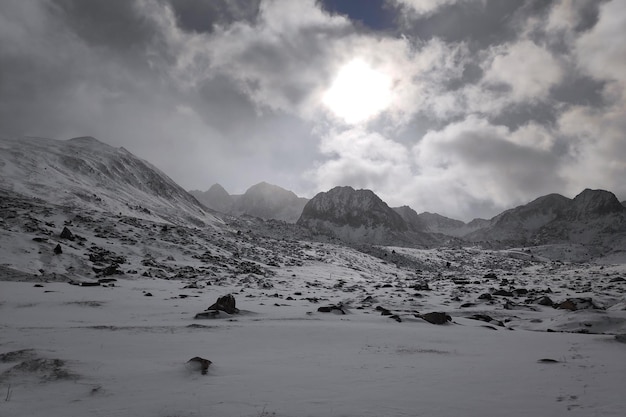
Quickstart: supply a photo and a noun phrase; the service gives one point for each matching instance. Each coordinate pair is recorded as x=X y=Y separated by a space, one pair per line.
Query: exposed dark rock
x=225 y=304
x=201 y=363
x=485 y=296
x=396 y=318
x=490 y=275
x=109 y=270
x=486 y=319
x=436 y=317
x=57 y=249
x=369 y=299
x=17 y=355
x=574 y=304
x=544 y=301
x=503 y=293
x=422 y=286
x=85 y=283
x=209 y=314
x=332 y=309
x=383 y=311
x=67 y=234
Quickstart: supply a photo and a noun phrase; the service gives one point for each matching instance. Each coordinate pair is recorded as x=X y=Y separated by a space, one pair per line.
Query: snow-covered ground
x=120 y=352
x=529 y=331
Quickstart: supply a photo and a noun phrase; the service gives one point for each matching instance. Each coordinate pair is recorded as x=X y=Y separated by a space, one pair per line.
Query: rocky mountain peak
x=345 y=206
x=215 y=198
x=411 y=217
x=593 y=203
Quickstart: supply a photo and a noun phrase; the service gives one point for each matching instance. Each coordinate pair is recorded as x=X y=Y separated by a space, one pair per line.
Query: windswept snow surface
x=123 y=353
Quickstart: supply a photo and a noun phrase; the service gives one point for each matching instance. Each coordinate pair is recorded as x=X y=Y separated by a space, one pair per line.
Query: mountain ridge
x=86 y=173
x=263 y=200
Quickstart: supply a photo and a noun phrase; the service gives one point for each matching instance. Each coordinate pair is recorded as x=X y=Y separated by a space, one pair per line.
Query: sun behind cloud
x=358 y=93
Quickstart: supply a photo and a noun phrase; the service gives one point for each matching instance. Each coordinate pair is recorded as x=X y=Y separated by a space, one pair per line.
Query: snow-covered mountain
x=437 y=223
x=359 y=216
x=411 y=218
x=594 y=217
x=215 y=198
x=269 y=201
x=263 y=200
x=82 y=213
x=87 y=174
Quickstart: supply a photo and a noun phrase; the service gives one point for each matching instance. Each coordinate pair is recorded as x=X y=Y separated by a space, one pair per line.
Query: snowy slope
x=98 y=310
x=88 y=174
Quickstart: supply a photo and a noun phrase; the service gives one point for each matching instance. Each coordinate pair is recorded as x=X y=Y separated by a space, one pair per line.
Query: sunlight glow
x=358 y=93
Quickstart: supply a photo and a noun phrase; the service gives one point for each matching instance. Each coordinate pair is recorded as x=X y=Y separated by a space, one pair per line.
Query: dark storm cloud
x=473 y=22
x=114 y=24
x=202 y=15
x=587 y=14
x=493 y=102
x=378 y=15
x=579 y=89
x=519 y=114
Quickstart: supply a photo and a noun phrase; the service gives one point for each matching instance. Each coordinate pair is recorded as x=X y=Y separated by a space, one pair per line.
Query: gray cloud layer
x=492 y=102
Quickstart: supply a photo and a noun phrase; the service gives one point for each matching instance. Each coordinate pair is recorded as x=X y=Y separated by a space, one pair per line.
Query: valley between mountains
x=112 y=277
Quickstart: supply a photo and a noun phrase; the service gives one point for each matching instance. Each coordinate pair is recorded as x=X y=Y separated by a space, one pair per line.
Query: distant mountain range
x=85 y=174
x=594 y=217
x=262 y=200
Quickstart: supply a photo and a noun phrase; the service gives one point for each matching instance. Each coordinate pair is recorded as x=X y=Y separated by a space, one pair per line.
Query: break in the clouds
x=463 y=107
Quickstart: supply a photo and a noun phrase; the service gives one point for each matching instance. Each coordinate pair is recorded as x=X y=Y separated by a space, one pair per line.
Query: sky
x=461 y=107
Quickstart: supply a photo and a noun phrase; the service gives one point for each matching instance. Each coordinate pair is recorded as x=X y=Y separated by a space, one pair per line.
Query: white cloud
x=527 y=68
x=481 y=160
x=362 y=159
x=426 y=7
x=597 y=135
x=565 y=15
x=602 y=51
x=465 y=165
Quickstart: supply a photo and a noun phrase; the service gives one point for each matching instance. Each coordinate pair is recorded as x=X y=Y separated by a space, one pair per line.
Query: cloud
x=573 y=15
x=426 y=7
x=529 y=70
x=482 y=162
x=362 y=159
x=491 y=103
x=468 y=164
x=597 y=133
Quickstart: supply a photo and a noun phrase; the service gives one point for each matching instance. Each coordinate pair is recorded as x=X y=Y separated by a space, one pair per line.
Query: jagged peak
x=217 y=188
x=589 y=193
x=343 y=205
x=597 y=202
